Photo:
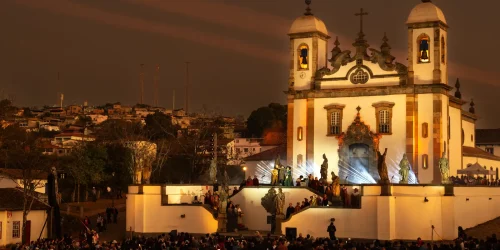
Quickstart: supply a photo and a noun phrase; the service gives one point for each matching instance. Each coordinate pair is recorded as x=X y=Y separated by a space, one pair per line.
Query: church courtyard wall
x=409 y=213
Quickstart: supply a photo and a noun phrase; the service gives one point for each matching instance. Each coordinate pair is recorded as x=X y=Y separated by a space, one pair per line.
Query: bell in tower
x=424 y=49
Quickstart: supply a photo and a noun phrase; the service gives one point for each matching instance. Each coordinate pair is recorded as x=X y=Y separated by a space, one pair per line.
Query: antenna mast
x=156 y=88
x=141 y=82
x=187 y=88
x=173 y=100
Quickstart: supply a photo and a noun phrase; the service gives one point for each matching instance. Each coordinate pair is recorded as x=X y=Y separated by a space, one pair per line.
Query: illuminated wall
x=455 y=145
x=405 y=215
x=469 y=133
x=145 y=214
x=37 y=218
x=395 y=142
x=255 y=215
x=482 y=161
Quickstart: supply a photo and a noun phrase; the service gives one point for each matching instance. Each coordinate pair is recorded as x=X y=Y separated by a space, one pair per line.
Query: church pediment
x=355 y=71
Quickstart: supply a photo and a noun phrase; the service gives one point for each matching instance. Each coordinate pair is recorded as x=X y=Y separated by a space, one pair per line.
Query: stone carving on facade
x=382 y=58
x=339 y=58
x=385 y=60
x=357 y=133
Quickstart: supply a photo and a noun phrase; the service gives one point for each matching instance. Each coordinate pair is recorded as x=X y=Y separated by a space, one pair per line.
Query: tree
x=119 y=162
x=119 y=130
x=18 y=150
x=6 y=109
x=160 y=126
x=87 y=166
x=272 y=116
x=195 y=144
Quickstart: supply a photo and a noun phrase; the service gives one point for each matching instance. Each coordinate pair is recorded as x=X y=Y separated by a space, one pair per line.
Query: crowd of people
x=258 y=241
x=474 y=181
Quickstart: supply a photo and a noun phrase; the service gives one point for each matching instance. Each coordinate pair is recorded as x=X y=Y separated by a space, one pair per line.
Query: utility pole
x=187 y=88
x=156 y=88
x=141 y=83
x=58 y=88
x=173 y=100
x=214 y=139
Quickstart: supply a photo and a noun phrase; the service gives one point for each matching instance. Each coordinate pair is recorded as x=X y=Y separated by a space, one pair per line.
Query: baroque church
x=351 y=105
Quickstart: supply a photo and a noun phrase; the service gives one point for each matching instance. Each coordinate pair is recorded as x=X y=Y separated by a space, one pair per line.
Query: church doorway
x=359 y=157
x=357 y=154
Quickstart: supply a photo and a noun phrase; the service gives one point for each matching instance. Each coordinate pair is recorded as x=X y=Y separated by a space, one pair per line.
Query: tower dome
x=426 y=12
x=308 y=23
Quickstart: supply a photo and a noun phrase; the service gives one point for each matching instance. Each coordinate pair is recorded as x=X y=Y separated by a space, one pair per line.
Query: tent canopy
x=475 y=169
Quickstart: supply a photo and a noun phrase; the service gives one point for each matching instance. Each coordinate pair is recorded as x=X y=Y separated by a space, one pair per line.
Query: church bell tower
x=308 y=49
x=427 y=44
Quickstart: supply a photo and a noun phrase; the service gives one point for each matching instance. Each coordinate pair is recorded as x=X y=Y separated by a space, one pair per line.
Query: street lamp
x=113 y=190
x=244 y=173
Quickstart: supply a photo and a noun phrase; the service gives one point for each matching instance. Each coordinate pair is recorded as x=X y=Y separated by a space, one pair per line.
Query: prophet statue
x=444 y=168
x=335 y=185
x=324 y=169
x=274 y=176
x=288 y=177
x=404 y=170
x=213 y=171
x=382 y=167
x=280 y=201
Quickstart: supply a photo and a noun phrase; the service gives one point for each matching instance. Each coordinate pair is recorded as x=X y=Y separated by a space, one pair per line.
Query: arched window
x=423 y=49
x=303 y=59
x=443 y=50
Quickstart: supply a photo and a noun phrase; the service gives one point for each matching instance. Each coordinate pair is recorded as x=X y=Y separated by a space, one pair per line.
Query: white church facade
x=349 y=104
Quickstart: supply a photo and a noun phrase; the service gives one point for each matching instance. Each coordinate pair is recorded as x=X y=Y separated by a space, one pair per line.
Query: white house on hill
x=11 y=217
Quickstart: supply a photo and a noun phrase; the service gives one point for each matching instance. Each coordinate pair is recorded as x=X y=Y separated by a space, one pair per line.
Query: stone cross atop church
x=361 y=14
x=308 y=9
x=360 y=44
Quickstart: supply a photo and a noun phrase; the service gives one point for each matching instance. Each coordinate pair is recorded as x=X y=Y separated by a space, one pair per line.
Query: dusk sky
x=238 y=49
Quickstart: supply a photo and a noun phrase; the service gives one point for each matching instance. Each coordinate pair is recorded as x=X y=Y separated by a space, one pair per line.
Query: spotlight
x=426 y=200
x=466 y=199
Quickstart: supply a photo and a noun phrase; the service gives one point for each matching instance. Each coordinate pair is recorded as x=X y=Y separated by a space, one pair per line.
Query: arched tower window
x=303 y=53
x=443 y=50
x=423 y=48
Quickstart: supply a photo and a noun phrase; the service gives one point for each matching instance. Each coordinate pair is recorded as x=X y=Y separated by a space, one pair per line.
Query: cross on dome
x=308 y=9
x=361 y=14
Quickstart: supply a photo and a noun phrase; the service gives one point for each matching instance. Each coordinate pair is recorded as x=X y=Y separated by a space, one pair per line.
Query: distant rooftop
x=487 y=136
